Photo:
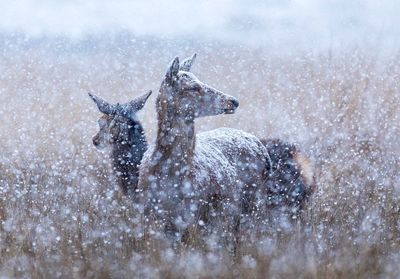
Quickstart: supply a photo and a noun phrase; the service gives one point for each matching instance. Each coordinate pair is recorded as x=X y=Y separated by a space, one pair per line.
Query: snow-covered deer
x=122 y=132
x=185 y=174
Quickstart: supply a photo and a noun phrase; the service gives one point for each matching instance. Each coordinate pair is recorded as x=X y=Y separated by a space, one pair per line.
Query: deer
x=184 y=174
x=122 y=133
x=291 y=179
x=118 y=123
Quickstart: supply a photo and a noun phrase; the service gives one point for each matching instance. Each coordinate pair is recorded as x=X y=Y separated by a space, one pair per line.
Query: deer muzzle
x=232 y=105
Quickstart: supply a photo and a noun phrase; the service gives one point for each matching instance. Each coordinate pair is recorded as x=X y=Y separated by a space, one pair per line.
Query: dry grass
x=62 y=216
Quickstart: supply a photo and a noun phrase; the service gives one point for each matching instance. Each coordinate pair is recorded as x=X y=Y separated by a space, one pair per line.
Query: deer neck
x=126 y=157
x=175 y=143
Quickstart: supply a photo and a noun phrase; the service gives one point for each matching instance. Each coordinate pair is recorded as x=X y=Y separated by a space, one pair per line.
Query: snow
x=223 y=155
x=321 y=75
x=272 y=23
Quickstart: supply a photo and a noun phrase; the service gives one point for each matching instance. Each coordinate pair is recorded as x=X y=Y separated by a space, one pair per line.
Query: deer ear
x=173 y=70
x=188 y=62
x=138 y=103
x=129 y=109
x=103 y=106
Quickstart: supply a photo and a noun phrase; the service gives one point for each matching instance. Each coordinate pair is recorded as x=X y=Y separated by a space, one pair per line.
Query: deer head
x=190 y=98
x=117 y=120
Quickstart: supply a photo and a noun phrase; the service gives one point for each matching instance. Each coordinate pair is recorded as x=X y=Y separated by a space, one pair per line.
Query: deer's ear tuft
x=188 y=62
x=138 y=102
x=102 y=105
x=173 y=70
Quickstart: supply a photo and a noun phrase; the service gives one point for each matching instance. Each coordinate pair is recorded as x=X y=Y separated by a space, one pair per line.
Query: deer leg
x=201 y=218
x=236 y=238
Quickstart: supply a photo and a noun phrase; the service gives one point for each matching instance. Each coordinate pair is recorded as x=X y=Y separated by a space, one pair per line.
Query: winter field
x=62 y=215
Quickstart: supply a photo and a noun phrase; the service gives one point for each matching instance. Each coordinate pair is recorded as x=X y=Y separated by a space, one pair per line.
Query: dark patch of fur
x=285 y=185
x=127 y=155
x=128 y=144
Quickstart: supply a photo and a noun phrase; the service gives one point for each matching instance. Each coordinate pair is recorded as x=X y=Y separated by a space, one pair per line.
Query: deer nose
x=235 y=103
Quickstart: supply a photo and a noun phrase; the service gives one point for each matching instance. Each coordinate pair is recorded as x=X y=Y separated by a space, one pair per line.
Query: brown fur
x=2 y=212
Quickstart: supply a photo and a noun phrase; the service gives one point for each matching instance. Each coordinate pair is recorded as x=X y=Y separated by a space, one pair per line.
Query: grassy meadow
x=62 y=215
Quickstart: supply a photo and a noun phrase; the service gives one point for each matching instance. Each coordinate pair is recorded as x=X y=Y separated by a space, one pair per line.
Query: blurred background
x=278 y=24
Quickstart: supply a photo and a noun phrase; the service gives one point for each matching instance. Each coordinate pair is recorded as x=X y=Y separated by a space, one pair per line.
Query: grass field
x=62 y=215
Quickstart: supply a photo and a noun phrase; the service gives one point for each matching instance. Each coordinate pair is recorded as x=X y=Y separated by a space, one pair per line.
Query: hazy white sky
x=245 y=21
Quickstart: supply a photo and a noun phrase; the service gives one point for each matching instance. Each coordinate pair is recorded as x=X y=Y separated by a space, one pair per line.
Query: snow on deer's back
x=239 y=156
